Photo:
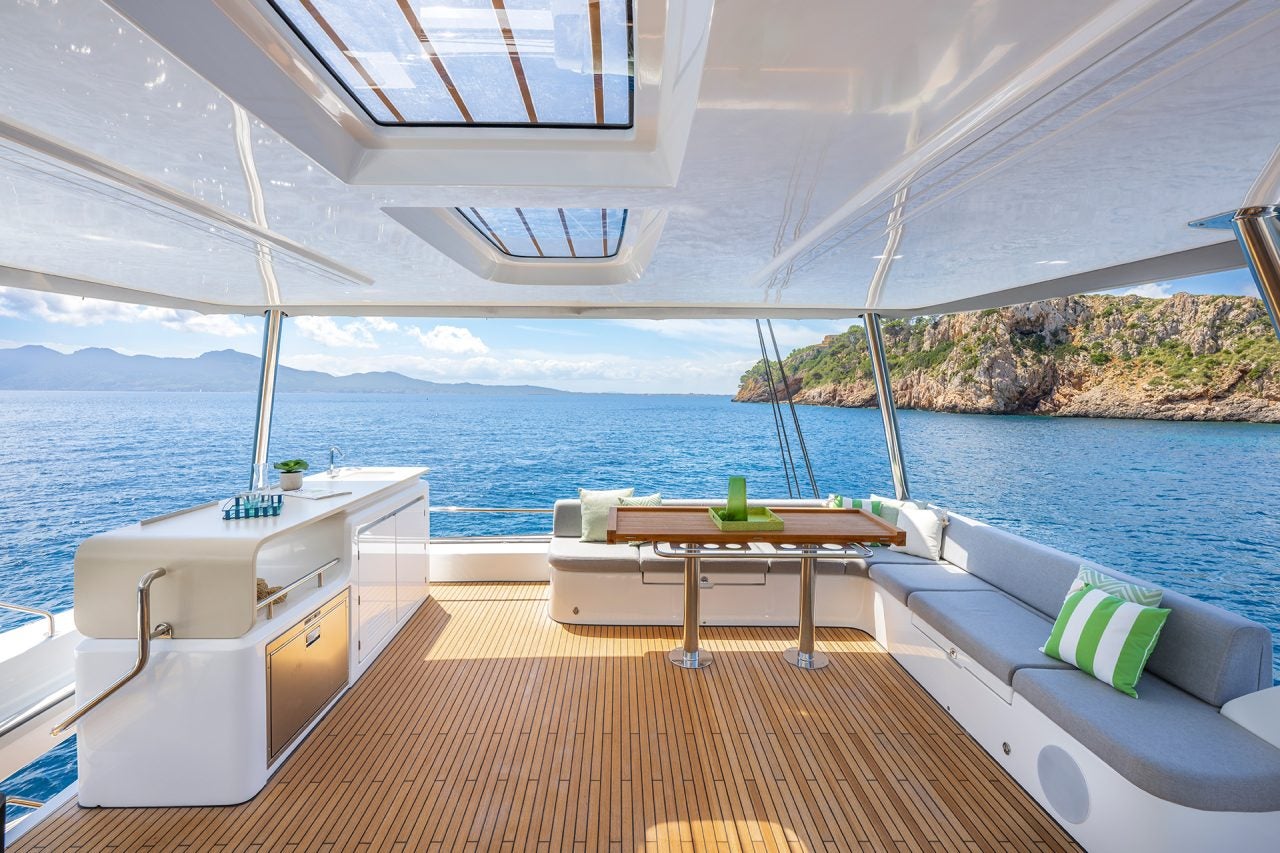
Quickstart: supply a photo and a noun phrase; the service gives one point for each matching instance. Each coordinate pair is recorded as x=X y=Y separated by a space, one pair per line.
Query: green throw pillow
x=654 y=499
x=595 y=510
x=1147 y=596
x=873 y=507
x=1106 y=636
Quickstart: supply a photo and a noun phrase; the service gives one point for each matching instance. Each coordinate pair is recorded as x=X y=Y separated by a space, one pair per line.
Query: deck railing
x=495 y=510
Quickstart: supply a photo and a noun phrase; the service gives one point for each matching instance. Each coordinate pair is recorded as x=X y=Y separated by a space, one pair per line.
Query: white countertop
x=212 y=563
x=205 y=523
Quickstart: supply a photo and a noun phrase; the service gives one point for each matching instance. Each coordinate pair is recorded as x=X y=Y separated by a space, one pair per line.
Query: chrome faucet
x=335 y=453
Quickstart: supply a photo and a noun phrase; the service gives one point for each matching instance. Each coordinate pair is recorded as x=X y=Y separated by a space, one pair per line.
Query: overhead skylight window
x=487 y=63
x=550 y=232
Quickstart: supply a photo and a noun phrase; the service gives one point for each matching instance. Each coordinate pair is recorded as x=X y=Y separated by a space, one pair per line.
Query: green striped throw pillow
x=1147 y=596
x=1106 y=636
x=654 y=499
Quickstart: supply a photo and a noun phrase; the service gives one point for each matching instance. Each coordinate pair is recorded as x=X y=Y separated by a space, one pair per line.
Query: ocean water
x=1192 y=507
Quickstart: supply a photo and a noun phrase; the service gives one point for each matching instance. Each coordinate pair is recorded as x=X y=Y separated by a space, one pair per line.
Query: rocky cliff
x=1212 y=358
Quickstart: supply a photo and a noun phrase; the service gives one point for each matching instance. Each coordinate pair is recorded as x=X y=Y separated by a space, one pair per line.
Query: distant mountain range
x=37 y=368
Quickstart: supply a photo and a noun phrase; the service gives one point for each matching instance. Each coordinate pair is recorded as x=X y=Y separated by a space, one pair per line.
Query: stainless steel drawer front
x=306 y=667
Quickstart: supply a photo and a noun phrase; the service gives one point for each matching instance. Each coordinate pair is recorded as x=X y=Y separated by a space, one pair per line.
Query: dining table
x=807 y=533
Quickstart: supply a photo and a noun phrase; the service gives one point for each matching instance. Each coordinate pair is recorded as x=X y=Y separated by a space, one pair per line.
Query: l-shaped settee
x=1192 y=764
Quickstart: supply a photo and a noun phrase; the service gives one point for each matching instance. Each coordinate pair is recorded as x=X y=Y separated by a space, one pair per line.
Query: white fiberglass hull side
x=34 y=667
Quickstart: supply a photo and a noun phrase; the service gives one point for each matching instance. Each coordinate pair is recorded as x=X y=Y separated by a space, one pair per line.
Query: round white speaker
x=1063 y=784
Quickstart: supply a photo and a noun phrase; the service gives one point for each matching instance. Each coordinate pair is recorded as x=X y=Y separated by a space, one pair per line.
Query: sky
x=632 y=356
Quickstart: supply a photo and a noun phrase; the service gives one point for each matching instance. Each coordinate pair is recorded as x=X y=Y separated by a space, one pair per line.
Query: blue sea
x=1190 y=506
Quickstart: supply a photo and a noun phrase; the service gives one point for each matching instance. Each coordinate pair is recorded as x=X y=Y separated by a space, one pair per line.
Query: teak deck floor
x=486 y=726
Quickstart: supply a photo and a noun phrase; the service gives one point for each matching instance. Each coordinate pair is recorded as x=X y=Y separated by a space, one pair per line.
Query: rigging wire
x=795 y=419
x=779 y=423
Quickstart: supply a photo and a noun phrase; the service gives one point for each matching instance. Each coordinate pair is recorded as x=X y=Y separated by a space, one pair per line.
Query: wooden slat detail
x=486 y=726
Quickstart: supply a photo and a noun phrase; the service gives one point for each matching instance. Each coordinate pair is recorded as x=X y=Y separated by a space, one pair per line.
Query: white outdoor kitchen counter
x=227 y=698
x=212 y=565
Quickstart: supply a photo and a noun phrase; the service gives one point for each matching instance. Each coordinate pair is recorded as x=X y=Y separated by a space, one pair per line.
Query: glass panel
x=557 y=63
x=550 y=232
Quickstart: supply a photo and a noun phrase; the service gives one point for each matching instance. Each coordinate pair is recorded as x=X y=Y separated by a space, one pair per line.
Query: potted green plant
x=291 y=473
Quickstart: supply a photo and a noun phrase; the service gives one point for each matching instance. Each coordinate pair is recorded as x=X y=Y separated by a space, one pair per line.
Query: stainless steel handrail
x=25 y=802
x=26 y=715
x=512 y=509
x=514 y=537
x=145 y=635
x=274 y=599
x=34 y=611
x=368 y=524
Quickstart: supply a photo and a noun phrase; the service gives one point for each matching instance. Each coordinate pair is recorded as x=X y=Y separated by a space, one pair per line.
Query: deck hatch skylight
x=476 y=63
x=550 y=232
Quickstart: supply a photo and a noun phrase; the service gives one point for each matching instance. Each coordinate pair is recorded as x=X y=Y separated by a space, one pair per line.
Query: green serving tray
x=758 y=518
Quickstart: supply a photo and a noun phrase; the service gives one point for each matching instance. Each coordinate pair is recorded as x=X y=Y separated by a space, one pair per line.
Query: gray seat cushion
x=1034 y=574
x=566 y=518
x=1209 y=652
x=1167 y=742
x=1000 y=633
x=888 y=555
x=568 y=554
x=902 y=579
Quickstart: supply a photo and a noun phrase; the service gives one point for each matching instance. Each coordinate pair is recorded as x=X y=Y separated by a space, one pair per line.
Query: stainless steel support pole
x=884 y=394
x=804 y=655
x=1258 y=230
x=266 y=389
x=689 y=656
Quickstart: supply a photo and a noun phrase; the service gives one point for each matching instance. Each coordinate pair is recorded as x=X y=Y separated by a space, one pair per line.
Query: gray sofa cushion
x=1000 y=633
x=1209 y=652
x=1034 y=574
x=568 y=554
x=566 y=518
x=1166 y=742
x=902 y=579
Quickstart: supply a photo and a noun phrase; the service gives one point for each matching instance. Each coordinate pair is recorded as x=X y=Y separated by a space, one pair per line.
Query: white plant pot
x=290 y=480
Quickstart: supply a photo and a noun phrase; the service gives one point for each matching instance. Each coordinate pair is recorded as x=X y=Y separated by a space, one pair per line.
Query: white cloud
x=739 y=333
x=82 y=312
x=605 y=372
x=381 y=324
x=1151 y=290
x=451 y=339
x=354 y=334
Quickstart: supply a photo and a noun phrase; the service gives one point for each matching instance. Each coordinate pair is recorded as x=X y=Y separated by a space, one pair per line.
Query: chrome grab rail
x=511 y=509
x=145 y=635
x=25 y=716
x=271 y=601
x=34 y=611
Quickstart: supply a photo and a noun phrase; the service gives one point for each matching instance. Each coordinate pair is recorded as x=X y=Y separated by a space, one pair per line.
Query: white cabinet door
x=412 y=566
x=376 y=568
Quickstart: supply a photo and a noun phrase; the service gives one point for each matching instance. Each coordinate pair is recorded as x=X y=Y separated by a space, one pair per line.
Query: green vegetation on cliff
x=1182 y=358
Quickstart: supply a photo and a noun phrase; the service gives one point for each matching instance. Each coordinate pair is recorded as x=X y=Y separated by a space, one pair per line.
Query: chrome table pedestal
x=688 y=655
x=803 y=654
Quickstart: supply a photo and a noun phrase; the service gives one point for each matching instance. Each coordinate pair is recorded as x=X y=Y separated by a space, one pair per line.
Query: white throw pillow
x=924 y=531
x=595 y=510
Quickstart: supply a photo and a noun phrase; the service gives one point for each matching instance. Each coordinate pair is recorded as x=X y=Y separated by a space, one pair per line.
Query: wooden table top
x=801 y=526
